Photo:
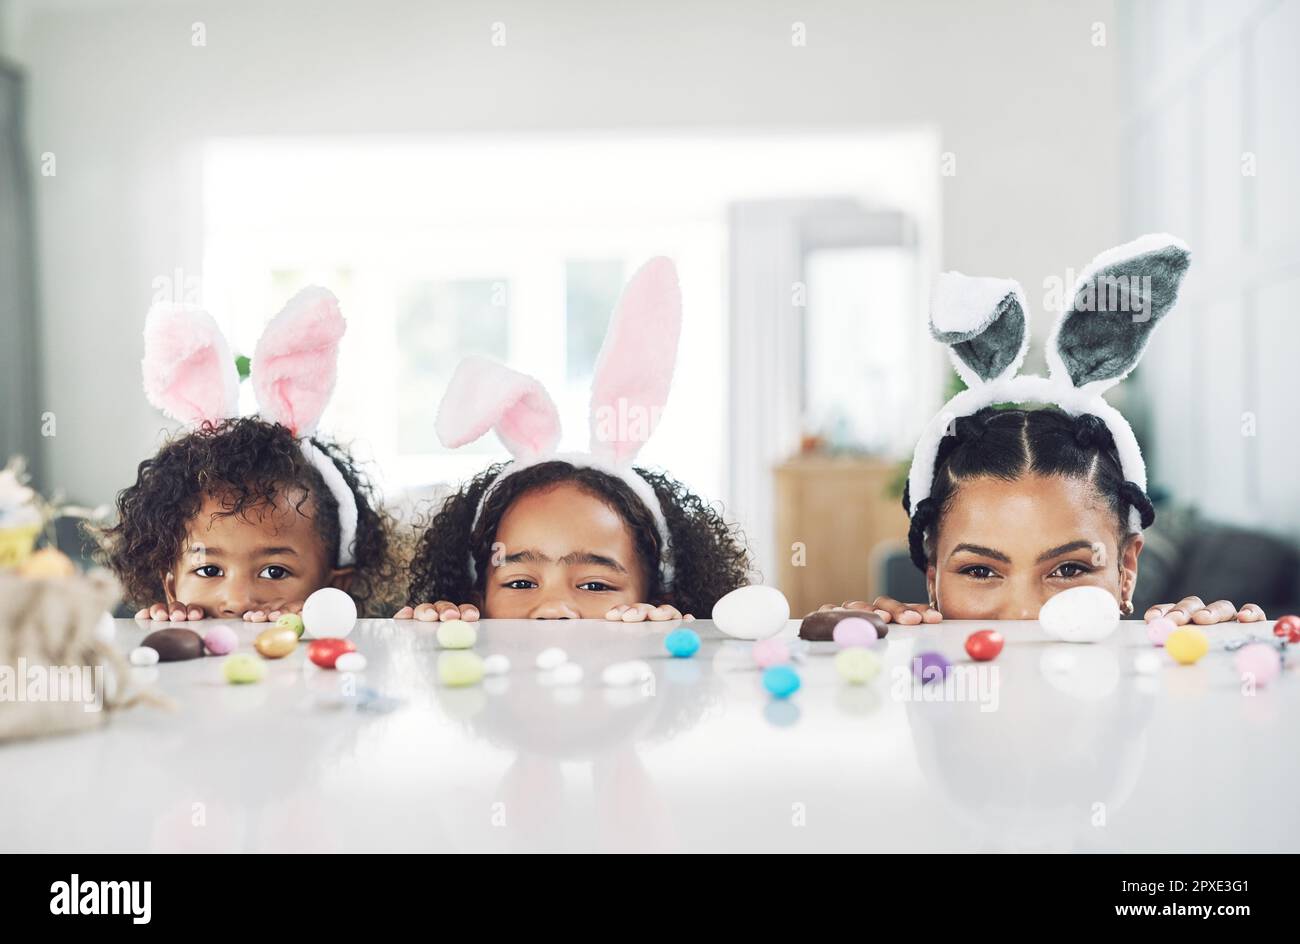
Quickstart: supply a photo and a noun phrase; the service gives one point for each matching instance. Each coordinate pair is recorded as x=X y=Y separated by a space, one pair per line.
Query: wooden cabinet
x=842 y=513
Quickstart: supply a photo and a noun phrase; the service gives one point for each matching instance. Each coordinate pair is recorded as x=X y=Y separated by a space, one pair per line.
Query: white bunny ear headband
x=633 y=375
x=190 y=375
x=1097 y=340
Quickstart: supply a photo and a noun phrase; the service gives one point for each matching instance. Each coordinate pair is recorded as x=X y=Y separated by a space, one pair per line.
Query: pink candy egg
x=770 y=652
x=1258 y=662
x=1158 y=630
x=220 y=640
x=854 y=631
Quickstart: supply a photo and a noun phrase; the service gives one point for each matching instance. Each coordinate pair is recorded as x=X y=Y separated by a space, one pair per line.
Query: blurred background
x=482 y=177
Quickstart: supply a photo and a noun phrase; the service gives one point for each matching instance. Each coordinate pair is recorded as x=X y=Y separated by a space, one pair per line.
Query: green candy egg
x=293 y=621
x=242 y=669
x=457 y=669
x=857 y=666
x=456 y=634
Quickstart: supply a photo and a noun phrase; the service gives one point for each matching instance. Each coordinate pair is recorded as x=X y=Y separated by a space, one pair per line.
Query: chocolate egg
x=174 y=644
x=276 y=642
x=820 y=626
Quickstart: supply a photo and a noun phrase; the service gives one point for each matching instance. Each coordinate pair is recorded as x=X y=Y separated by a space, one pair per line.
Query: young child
x=576 y=536
x=1010 y=506
x=246 y=517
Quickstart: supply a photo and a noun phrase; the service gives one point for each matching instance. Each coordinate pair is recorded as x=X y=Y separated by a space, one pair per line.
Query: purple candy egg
x=220 y=640
x=930 y=667
x=854 y=631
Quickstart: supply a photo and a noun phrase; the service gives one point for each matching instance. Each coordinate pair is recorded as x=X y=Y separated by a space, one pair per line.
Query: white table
x=1081 y=752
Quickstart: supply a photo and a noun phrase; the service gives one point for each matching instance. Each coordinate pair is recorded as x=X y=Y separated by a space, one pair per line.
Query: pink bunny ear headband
x=1097 y=340
x=190 y=375
x=633 y=374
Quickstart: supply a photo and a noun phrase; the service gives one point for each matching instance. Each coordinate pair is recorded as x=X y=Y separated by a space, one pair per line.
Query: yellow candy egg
x=456 y=634
x=1187 y=645
x=243 y=669
x=857 y=666
x=276 y=642
x=459 y=668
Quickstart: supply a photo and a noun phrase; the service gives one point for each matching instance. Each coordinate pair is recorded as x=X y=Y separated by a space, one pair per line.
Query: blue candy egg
x=682 y=643
x=781 y=680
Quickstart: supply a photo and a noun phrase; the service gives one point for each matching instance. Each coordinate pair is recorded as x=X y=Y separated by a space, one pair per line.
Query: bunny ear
x=484 y=394
x=295 y=362
x=1116 y=304
x=983 y=323
x=634 y=369
x=188 y=371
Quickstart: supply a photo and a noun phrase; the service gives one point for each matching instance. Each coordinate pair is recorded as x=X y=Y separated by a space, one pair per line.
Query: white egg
x=622 y=674
x=551 y=658
x=329 y=613
x=1080 y=614
x=496 y=664
x=144 y=656
x=752 y=612
x=350 y=662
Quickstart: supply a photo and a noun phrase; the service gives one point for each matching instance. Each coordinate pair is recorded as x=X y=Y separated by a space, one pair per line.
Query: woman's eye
x=1071 y=569
x=274 y=572
x=979 y=572
x=595 y=586
x=520 y=584
x=208 y=570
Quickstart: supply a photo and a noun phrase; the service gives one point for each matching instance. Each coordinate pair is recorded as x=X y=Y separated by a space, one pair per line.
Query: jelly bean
x=1288 y=628
x=242 y=668
x=459 y=667
x=930 y=666
x=854 y=631
x=1258 y=663
x=456 y=634
x=350 y=662
x=276 y=642
x=220 y=640
x=984 y=645
x=1187 y=645
x=1158 y=630
x=682 y=643
x=325 y=652
x=144 y=656
x=496 y=665
x=292 y=621
x=857 y=665
x=770 y=652
x=781 y=680
x=550 y=658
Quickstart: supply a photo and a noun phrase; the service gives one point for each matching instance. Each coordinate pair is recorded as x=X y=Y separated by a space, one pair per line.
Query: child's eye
x=519 y=584
x=595 y=586
x=208 y=570
x=274 y=572
x=978 y=571
x=1071 y=569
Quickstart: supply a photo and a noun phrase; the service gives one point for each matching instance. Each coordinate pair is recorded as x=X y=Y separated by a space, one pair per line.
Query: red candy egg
x=1288 y=628
x=984 y=645
x=325 y=652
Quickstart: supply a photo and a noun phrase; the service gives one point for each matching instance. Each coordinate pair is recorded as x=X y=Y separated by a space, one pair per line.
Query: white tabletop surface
x=1067 y=747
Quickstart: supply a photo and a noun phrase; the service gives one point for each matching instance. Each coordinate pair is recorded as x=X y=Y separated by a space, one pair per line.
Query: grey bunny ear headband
x=1097 y=340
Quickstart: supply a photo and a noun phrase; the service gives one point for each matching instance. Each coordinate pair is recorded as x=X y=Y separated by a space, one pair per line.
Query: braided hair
x=1008 y=444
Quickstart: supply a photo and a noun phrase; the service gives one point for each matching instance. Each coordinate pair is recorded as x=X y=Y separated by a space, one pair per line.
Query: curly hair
x=249 y=462
x=1010 y=443
x=708 y=556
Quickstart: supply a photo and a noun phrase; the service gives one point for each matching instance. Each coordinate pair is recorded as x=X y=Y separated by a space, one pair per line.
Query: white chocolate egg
x=752 y=612
x=1080 y=614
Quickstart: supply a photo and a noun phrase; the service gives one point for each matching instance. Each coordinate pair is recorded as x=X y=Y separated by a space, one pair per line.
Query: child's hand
x=1192 y=610
x=640 y=612
x=178 y=613
x=270 y=616
x=442 y=610
x=891 y=611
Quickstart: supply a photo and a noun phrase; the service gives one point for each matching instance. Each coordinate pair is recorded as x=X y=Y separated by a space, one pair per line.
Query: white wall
x=1024 y=99
x=1215 y=148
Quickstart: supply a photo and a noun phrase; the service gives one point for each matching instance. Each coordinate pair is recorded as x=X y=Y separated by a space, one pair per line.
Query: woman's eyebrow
x=595 y=560
x=982 y=551
x=1064 y=549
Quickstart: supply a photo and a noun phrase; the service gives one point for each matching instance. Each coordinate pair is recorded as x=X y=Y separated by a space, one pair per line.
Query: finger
x=664 y=612
x=1156 y=611
x=638 y=613
x=196 y=613
x=469 y=612
x=1220 y=611
x=292 y=608
x=406 y=612
x=931 y=615
x=178 y=613
x=1250 y=613
x=1184 y=608
x=158 y=611
x=447 y=611
x=887 y=608
x=256 y=616
x=273 y=616
x=616 y=613
x=427 y=612
x=689 y=618
x=142 y=613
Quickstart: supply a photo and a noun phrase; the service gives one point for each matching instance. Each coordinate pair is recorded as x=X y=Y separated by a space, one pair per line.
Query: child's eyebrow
x=595 y=560
x=525 y=557
x=982 y=551
x=273 y=551
x=204 y=550
x=1064 y=549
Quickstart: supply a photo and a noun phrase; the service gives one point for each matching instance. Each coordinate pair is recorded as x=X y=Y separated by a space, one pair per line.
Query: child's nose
x=555 y=608
x=238 y=598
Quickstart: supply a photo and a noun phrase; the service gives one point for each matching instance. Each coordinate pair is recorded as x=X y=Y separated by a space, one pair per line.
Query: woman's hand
x=175 y=612
x=891 y=611
x=1192 y=610
x=440 y=611
x=270 y=616
x=640 y=612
